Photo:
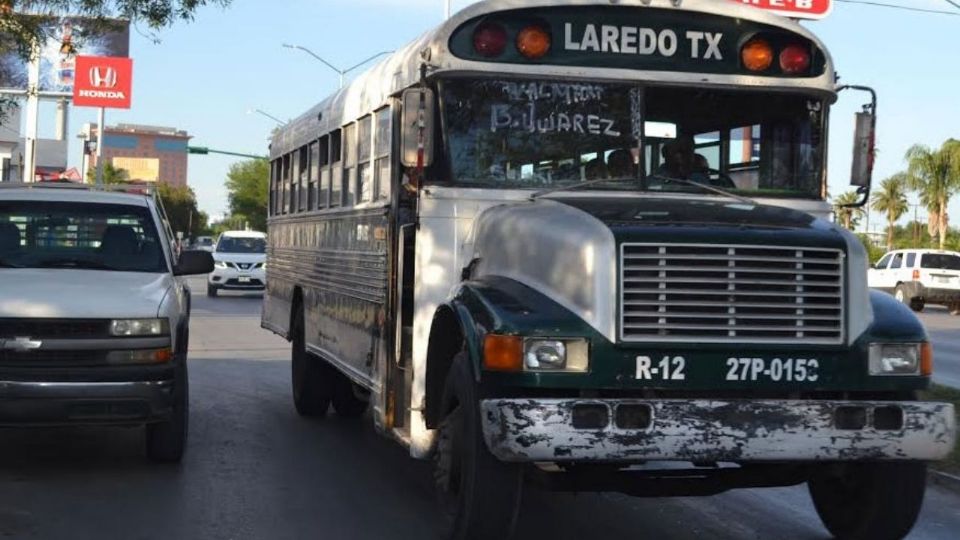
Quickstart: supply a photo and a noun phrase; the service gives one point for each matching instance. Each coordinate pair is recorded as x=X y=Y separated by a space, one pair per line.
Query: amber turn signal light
x=757 y=55
x=502 y=353
x=926 y=359
x=533 y=42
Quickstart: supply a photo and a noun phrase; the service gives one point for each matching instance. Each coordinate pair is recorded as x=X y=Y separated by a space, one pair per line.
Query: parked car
x=918 y=277
x=204 y=243
x=93 y=324
x=240 y=260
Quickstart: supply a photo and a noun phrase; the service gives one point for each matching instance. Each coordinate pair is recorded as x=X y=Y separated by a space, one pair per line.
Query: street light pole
x=268 y=115
x=340 y=72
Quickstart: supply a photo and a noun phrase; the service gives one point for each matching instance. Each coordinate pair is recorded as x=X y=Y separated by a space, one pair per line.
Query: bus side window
x=323 y=197
x=271 y=205
x=313 y=176
x=381 y=151
x=364 y=148
x=286 y=185
x=303 y=179
x=350 y=165
x=336 y=172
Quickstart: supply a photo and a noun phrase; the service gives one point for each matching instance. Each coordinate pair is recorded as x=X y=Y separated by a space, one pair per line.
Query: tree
x=935 y=174
x=26 y=22
x=848 y=217
x=248 y=185
x=111 y=175
x=891 y=199
x=180 y=204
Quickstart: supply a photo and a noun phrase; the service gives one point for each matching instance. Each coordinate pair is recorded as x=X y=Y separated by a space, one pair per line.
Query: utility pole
x=33 y=113
x=446 y=12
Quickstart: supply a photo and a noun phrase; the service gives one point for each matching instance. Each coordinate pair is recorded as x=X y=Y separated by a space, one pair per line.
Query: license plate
x=773 y=369
x=942 y=279
x=244 y=280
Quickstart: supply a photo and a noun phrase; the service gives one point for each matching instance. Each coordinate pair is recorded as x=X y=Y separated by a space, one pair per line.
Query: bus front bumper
x=630 y=430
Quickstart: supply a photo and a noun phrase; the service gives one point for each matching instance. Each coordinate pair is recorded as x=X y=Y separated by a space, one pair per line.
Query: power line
x=905 y=8
x=953 y=3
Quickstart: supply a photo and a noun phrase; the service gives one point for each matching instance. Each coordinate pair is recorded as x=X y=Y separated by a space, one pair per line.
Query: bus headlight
x=900 y=359
x=555 y=355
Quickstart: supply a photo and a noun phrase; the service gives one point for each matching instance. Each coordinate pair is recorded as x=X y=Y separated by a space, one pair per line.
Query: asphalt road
x=254 y=469
x=944 y=331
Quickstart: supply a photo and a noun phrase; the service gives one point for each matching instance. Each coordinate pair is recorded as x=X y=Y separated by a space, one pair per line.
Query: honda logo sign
x=103 y=81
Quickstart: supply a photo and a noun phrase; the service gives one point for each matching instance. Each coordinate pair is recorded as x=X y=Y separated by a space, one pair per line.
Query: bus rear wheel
x=311 y=378
x=873 y=501
x=478 y=494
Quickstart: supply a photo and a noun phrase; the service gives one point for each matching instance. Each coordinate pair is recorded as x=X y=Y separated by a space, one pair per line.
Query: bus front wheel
x=869 y=501
x=478 y=494
x=310 y=377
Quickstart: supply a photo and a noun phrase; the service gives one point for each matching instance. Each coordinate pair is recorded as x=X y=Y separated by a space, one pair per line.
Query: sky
x=204 y=76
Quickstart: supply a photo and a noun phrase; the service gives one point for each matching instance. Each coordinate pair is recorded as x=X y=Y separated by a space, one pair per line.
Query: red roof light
x=794 y=60
x=489 y=40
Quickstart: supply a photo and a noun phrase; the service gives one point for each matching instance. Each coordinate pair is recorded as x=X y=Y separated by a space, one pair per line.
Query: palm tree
x=891 y=199
x=848 y=217
x=935 y=174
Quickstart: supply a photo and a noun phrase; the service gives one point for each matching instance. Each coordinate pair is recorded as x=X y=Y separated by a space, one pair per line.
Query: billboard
x=796 y=9
x=139 y=169
x=68 y=37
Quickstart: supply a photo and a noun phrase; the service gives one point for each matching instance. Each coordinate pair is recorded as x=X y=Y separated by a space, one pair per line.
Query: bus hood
x=568 y=247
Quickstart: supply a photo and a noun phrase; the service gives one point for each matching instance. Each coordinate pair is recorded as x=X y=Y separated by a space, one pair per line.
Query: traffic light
x=198 y=150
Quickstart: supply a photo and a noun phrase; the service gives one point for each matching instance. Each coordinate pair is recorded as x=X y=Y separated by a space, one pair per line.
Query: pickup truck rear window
x=113 y=237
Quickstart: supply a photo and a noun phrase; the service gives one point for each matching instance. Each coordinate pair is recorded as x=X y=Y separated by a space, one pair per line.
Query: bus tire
x=311 y=378
x=479 y=495
x=873 y=501
x=345 y=400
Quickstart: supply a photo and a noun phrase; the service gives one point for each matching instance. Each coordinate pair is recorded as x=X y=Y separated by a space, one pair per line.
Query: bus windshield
x=525 y=134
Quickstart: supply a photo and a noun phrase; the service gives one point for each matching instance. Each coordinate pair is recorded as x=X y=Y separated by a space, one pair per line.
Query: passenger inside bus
x=678 y=158
x=620 y=164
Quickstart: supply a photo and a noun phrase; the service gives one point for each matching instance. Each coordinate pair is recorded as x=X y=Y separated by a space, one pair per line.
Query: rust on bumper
x=525 y=430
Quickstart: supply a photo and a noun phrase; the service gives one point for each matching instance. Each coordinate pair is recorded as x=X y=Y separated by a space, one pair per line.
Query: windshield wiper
x=74 y=263
x=579 y=185
x=705 y=187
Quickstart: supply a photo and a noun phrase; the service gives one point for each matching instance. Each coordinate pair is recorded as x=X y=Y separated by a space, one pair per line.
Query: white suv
x=93 y=322
x=240 y=259
x=919 y=276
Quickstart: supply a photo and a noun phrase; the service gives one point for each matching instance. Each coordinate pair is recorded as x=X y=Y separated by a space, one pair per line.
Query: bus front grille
x=731 y=293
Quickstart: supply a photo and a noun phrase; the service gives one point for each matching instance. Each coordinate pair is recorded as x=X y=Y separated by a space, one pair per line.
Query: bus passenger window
x=336 y=172
x=274 y=176
x=286 y=185
x=323 y=197
x=350 y=165
x=313 y=176
x=364 y=172
x=302 y=169
x=381 y=152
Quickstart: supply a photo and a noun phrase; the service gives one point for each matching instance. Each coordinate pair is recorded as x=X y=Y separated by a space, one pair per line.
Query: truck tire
x=955 y=308
x=875 y=501
x=479 y=495
x=211 y=290
x=917 y=304
x=311 y=379
x=345 y=400
x=166 y=441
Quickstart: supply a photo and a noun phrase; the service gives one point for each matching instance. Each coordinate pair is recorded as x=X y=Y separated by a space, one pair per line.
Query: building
x=147 y=153
x=51 y=153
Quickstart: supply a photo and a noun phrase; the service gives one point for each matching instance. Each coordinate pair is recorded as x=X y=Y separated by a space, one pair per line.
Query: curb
x=944 y=480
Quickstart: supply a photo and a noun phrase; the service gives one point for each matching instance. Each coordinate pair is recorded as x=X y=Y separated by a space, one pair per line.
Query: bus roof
x=401 y=70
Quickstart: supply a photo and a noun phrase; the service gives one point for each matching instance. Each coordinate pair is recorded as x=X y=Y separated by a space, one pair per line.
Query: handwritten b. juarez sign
x=797 y=9
x=103 y=81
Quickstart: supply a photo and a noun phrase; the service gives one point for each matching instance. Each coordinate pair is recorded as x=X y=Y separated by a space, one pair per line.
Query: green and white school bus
x=566 y=241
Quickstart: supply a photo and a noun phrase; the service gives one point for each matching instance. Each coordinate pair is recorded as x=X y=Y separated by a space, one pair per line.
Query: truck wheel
x=955 y=308
x=345 y=400
x=869 y=500
x=917 y=304
x=211 y=290
x=900 y=293
x=167 y=440
x=311 y=378
x=478 y=494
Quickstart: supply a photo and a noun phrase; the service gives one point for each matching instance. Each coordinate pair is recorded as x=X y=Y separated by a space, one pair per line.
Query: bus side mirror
x=416 y=128
x=863 y=149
